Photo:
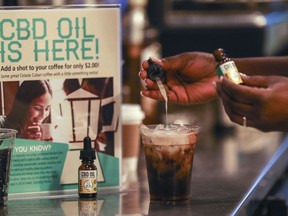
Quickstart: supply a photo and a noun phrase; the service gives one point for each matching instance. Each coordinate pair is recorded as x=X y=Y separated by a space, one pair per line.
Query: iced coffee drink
x=7 y=138
x=169 y=152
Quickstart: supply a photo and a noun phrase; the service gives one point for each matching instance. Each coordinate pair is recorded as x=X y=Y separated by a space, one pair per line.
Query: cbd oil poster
x=60 y=82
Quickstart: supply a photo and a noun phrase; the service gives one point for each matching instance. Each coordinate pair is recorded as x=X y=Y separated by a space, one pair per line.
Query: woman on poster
x=30 y=109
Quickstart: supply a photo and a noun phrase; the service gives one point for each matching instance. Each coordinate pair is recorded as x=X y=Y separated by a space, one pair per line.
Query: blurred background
x=162 y=28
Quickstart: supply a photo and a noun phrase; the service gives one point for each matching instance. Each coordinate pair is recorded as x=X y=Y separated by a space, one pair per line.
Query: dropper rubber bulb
x=87 y=143
x=87 y=153
x=155 y=71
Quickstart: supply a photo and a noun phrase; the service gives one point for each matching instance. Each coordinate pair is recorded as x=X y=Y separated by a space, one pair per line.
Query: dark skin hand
x=262 y=100
x=189 y=78
x=190 y=75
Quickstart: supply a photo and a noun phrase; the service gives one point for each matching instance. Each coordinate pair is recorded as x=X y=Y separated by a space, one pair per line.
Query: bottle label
x=88 y=181
x=229 y=70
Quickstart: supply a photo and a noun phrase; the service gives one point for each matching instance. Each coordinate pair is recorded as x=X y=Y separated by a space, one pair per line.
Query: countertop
x=226 y=173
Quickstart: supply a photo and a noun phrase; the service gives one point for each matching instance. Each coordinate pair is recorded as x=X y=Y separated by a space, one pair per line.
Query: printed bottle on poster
x=226 y=67
x=87 y=172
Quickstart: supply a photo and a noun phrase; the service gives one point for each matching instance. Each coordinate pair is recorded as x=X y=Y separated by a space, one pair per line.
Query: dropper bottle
x=87 y=172
x=156 y=74
x=226 y=66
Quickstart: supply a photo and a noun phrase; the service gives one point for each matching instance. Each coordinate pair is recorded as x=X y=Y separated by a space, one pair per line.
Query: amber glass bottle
x=226 y=66
x=87 y=172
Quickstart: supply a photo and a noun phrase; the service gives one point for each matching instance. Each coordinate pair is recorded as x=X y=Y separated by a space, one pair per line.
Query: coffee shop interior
x=237 y=170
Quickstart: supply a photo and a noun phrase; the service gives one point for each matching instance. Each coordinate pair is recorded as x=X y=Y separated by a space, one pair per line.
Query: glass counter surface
x=224 y=171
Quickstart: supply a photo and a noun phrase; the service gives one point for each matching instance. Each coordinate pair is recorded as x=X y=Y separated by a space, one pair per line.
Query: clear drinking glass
x=169 y=160
x=7 y=139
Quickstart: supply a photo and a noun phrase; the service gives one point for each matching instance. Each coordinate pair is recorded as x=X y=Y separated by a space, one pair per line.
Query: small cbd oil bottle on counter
x=155 y=71
x=226 y=66
x=87 y=172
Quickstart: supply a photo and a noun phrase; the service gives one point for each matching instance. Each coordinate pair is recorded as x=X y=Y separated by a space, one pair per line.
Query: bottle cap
x=155 y=71
x=87 y=153
x=219 y=54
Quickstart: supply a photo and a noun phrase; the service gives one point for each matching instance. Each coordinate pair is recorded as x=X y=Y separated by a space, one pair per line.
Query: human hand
x=262 y=100
x=189 y=78
x=32 y=132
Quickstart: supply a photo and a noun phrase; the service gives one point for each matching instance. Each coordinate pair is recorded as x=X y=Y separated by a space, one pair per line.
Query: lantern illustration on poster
x=84 y=111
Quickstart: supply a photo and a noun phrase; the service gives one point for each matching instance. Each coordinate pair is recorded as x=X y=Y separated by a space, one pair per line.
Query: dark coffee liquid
x=169 y=170
x=4 y=170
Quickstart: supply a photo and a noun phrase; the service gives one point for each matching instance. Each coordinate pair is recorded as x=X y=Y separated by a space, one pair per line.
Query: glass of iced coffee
x=169 y=153
x=7 y=138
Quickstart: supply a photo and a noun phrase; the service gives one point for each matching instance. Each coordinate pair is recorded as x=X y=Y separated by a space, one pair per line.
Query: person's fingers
x=235 y=109
x=150 y=84
x=156 y=61
x=153 y=94
x=237 y=115
x=143 y=74
x=241 y=93
x=241 y=120
x=255 y=81
x=145 y=64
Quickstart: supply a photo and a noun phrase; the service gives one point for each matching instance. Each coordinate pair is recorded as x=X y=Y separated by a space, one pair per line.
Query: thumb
x=255 y=81
x=176 y=62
